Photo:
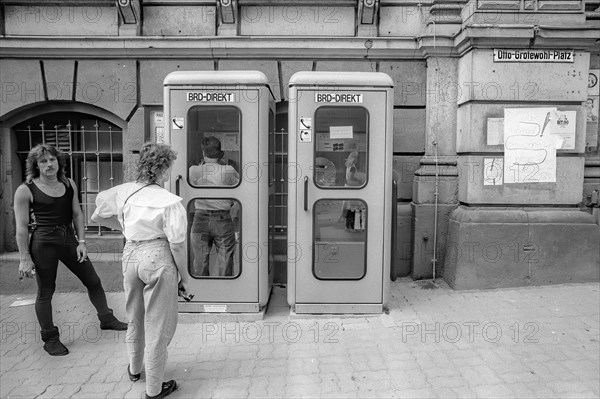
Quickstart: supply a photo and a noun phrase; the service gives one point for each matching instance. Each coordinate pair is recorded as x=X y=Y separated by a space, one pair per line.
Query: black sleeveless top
x=51 y=211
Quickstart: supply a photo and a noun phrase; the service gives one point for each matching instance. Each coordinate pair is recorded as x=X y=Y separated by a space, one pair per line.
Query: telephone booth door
x=339 y=207
x=221 y=124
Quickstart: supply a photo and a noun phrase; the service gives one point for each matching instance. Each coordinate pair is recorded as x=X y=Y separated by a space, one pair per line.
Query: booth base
x=512 y=247
x=208 y=312
x=337 y=308
x=191 y=317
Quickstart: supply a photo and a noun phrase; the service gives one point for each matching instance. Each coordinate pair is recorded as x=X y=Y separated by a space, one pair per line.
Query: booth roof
x=316 y=78
x=239 y=78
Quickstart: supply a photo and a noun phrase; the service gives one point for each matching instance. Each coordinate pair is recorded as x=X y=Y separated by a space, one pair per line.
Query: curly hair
x=154 y=160
x=32 y=170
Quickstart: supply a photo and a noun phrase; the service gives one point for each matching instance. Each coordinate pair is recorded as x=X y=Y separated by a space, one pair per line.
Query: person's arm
x=23 y=200
x=178 y=251
x=106 y=205
x=175 y=228
x=79 y=225
x=111 y=222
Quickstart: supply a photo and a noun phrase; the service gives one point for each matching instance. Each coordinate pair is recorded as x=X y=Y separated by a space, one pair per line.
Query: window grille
x=93 y=149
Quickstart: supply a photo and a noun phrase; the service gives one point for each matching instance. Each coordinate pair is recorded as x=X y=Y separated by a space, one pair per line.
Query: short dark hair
x=32 y=170
x=211 y=147
x=154 y=160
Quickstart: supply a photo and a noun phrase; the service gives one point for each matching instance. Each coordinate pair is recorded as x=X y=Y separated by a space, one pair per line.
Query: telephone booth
x=221 y=123
x=339 y=192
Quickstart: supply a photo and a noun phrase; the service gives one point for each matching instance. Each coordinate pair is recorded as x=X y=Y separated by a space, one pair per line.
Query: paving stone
x=410 y=352
x=493 y=391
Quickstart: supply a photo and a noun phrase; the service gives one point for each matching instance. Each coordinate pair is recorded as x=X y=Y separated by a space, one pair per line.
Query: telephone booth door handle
x=306 y=193
x=177 y=184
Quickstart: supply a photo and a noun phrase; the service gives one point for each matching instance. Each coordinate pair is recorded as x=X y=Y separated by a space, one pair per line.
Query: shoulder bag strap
x=127 y=199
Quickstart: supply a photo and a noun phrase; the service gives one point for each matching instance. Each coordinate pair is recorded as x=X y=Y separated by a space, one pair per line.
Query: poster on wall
x=529 y=146
x=563 y=125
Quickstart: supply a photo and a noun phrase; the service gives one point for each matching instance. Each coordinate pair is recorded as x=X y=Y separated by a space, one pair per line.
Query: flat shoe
x=133 y=377
x=167 y=388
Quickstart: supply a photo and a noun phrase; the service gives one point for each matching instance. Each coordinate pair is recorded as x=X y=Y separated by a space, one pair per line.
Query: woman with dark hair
x=154 y=223
x=51 y=196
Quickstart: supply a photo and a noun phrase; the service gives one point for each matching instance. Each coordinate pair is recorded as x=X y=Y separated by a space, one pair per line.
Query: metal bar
x=70 y=148
x=43 y=133
x=97 y=166
x=112 y=177
x=282 y=179
x=84 y=178
x=30 y=142
x=56 y=136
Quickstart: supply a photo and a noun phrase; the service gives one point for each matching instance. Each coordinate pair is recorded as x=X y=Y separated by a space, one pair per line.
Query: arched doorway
x=90 y=138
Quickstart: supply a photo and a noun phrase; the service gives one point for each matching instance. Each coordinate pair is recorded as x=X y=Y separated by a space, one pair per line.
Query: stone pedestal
x=511 y=247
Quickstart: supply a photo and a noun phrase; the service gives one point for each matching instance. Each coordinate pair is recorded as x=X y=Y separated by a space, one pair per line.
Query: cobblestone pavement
x=435 y=342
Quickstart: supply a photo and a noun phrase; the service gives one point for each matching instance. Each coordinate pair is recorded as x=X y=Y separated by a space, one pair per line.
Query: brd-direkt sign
x=525 y=55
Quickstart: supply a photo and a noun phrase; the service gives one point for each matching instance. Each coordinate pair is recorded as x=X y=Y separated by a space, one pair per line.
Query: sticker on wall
x=591 y=109
x=593 y=84
x=495 y=131
x=305 y=128
x=563 y=125
x=177 y=123
x=159 y=134
x=305 y=123
x=492 y=171
x=305 y=136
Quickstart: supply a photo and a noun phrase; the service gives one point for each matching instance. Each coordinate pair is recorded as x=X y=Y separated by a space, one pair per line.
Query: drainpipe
x=434 y=259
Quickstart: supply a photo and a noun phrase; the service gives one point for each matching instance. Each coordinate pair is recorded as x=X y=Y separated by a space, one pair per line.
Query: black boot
x=110 y=322
x=52 y=343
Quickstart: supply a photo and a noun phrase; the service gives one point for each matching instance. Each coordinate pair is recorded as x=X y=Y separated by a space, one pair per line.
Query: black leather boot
x=110 y=322
x=52 y=343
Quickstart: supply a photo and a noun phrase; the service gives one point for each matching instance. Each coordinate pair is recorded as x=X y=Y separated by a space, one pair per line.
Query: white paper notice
x=529 y=148
x=340 y=132
x=495 y=131
x=22 y=302
x=564 y=125
x=492 y=171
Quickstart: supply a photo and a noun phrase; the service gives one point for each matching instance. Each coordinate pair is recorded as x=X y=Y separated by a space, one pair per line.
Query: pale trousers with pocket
x=150 y=282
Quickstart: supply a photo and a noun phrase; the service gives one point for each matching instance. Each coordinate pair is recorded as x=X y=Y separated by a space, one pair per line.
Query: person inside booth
x=213 y=224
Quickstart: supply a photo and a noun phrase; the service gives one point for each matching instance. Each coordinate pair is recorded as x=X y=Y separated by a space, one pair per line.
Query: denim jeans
x=48 y=245
x=210 y=230
x=150 y=282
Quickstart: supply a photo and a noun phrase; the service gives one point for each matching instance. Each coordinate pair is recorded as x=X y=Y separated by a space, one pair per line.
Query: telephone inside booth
x=341 y=160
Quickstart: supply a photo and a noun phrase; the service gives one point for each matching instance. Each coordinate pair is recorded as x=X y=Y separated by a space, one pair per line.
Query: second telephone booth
x=340 y=196
x=221 y=123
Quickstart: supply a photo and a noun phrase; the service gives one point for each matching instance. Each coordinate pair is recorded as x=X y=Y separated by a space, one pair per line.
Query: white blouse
x=150 y=213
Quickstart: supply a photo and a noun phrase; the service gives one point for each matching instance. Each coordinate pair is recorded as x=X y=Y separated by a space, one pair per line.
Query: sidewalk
x=435 y=342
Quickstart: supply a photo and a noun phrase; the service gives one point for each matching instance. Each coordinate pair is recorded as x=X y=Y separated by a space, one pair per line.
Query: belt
x=212 y=212
x=148 y=240
x=52 y=226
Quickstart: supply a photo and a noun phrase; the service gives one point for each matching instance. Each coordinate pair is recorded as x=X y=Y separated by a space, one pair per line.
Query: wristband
x=82 y=241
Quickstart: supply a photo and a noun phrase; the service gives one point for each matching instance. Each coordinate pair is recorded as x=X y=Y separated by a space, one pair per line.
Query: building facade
x=87 y=77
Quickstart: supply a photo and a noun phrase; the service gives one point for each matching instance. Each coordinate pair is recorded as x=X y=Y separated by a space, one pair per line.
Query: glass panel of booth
x=341 y=147
x=213 y=146
x=340 y=239
x=214 y=237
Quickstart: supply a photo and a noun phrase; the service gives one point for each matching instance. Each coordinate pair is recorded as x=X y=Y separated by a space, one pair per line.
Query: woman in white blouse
x=153 y=221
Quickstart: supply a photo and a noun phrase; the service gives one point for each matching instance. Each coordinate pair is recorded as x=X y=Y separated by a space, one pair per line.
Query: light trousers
x=150 y=282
